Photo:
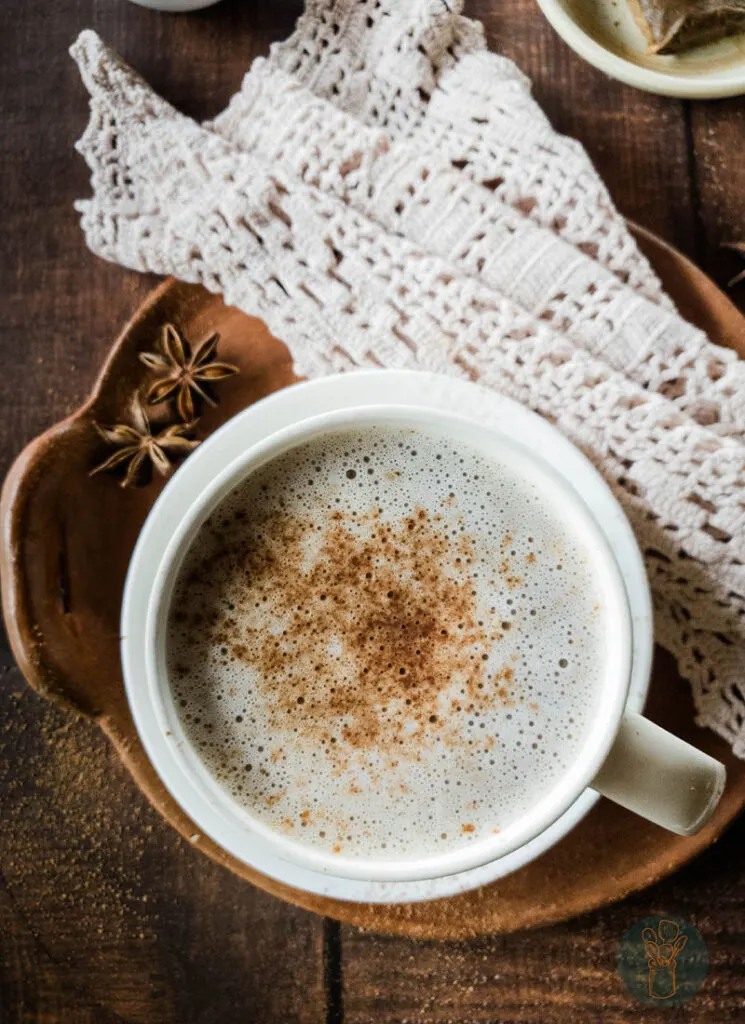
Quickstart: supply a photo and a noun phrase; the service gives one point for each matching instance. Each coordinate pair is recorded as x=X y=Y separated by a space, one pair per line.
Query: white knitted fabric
x=383 y=191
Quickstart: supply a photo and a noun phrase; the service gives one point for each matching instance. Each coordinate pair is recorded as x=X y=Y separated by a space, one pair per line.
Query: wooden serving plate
x=66 y=543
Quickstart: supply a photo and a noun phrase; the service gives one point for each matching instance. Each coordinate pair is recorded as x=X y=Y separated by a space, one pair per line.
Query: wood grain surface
x=105 y=913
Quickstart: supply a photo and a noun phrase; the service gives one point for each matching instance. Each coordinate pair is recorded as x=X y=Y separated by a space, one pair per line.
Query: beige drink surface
x=382 y=644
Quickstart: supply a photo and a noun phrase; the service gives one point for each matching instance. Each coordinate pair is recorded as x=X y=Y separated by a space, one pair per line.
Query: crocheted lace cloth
x=384 y=192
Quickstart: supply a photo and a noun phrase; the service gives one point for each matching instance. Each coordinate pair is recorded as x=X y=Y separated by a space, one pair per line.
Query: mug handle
x=661 y=777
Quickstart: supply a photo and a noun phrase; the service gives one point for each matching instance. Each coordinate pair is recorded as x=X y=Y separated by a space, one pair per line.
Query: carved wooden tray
x=66 y=542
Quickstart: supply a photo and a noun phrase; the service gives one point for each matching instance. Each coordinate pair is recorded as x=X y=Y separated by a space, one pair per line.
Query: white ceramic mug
x=625 y=757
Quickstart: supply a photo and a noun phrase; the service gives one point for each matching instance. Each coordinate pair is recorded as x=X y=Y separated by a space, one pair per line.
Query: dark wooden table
x=105 y=914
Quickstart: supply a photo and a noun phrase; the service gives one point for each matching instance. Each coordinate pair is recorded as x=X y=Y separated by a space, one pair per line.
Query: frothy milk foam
x=386 y=645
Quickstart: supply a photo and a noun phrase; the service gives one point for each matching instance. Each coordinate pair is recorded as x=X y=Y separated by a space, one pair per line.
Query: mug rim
x=247 y=828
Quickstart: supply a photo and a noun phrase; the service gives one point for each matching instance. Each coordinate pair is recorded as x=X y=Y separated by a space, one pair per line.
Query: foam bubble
x=381 y=644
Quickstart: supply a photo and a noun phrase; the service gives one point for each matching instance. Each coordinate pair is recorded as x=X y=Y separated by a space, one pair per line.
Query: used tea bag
x=674 y=25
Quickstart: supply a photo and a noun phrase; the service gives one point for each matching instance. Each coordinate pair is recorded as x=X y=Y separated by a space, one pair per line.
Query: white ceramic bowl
x=605 y=34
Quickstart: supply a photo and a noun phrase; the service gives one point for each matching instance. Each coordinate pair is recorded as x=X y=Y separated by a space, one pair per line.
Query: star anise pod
x=737 y=247
x=184 y=371
x=136 y=444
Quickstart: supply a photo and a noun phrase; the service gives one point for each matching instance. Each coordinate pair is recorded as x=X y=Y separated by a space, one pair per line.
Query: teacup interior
x=392 y=649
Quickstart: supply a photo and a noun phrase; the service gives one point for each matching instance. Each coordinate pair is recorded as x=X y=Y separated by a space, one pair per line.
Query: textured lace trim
x=422 y=72
x=423 y=198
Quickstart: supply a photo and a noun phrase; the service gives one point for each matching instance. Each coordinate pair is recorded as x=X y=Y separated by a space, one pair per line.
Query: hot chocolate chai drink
x=384 y=644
